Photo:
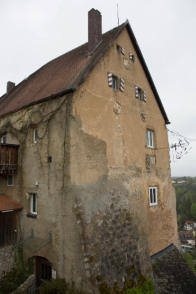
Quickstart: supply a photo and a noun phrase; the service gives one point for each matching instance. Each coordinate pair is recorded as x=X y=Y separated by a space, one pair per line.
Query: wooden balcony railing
x=8 y=159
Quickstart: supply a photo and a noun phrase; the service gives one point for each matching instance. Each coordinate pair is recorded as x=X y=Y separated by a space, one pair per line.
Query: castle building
x=84 y=164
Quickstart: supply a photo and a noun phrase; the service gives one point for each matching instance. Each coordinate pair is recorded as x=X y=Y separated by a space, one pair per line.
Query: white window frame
x=3 y=139
x=12 y=181
x=35 y=135
x=150 y=138
x=33 y=203
x=153 y=195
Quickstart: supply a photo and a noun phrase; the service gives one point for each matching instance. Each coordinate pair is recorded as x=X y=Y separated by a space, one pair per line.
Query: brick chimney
x=10 y=86
x=94 y=29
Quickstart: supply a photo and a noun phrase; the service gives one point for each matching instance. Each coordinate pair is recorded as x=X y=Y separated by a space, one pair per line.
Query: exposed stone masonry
x=6 y=259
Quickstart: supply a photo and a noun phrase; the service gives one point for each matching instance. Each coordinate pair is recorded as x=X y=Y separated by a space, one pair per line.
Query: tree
x=193 y=210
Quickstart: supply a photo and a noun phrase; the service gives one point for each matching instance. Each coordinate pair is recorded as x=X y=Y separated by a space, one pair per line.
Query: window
x=35 y=136
x=112 y=81
x=153 y=196
x=121 y=50
x=116 y=83
x=150 y=138
x=140 y=94
x=10 y=180
x=3 y=139
x=33 y=203
x=131 y=57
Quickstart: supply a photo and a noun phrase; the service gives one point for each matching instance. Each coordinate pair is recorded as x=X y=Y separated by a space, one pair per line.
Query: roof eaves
x=53 y=96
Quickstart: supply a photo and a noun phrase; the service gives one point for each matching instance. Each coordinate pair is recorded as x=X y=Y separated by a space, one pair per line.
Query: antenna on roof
x=117 y=14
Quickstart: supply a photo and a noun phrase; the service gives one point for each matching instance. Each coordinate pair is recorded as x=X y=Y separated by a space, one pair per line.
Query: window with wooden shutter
x=140 y=94
x=110 y=75
x=121 y=50
x=116 y=83
x=122 y=84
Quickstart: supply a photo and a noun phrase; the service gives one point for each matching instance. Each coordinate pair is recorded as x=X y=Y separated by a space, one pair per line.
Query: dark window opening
x=140 y=94
x=114 y=82
x=10 y=180
x=8 y=228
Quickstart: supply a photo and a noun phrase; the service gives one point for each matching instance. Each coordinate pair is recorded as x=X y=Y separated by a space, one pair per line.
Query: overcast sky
x=32 y=32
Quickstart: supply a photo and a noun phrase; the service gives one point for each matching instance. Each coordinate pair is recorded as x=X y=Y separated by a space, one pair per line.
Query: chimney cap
x=10 y=86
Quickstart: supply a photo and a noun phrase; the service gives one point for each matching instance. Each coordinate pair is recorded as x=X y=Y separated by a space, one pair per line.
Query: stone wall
x=6 y=259
x=111 y=241
x=172 y=274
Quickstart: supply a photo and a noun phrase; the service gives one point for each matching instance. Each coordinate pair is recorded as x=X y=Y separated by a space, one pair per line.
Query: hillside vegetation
x=185 y=199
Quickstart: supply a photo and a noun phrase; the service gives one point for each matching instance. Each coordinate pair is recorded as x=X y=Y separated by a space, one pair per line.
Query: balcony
x=8 y=159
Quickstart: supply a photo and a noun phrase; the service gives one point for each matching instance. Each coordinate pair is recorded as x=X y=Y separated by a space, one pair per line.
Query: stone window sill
x=31 y=215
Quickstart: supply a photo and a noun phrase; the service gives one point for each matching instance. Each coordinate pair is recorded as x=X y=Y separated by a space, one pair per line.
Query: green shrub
x=146 y=288
x=57 y=286
x=190 y=261
x=20 y=272
x=13 y=279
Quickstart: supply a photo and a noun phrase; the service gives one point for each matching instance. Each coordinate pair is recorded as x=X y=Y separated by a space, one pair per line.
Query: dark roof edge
x=135 y=43
x=163 y=251
x=53 y=96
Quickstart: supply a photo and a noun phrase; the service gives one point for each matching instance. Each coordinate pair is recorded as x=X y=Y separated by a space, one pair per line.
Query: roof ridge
x=66 y=72
x=49 y=62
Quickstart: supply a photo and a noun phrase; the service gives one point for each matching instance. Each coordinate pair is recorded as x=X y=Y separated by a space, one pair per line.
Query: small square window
x=153 y=197
x=150 y=139
x=35 y=135
x=10 y=180
x=33 y=203
x=140 y=94
x=3 y=139
x=49 y=159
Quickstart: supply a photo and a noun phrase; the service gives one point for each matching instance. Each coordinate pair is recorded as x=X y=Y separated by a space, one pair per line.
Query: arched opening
x=43 y=270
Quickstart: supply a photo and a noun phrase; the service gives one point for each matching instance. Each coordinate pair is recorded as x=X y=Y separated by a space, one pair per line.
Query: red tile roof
x=54 y=77
x=65 y=73
x=6 y=203
x=189 y=223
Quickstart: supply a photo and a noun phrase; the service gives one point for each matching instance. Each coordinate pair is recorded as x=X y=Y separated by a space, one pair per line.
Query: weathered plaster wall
x=93 y=196
x=113 y=180
x=113 y=239
x=50 y=120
